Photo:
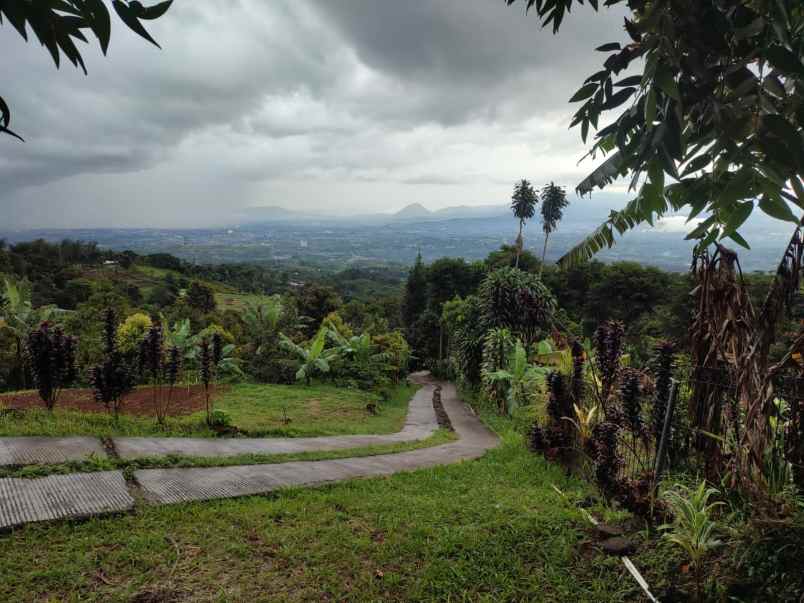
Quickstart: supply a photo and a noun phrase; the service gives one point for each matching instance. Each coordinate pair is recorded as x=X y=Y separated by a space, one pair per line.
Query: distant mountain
x=414 y=211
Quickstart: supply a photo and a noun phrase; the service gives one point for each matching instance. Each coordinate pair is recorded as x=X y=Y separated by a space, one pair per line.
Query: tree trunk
x=23 y=380
x=519 y=244
x=544 y=253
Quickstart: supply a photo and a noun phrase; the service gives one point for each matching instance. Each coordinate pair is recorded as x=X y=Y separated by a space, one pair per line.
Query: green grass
x=487 y=530
x=258 y=410
x=439 y=437
x=227 y=300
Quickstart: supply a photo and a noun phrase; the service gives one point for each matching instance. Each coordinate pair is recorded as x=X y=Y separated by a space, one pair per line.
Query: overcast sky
x=330 y=105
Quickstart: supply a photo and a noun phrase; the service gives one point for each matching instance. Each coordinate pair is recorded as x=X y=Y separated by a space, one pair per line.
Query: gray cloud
x=313 y=104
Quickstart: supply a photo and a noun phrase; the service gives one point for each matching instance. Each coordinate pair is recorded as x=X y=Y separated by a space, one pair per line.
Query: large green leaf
x=775 y=207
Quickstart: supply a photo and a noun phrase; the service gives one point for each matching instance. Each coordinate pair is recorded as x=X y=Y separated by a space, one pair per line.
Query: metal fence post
x=668 y=419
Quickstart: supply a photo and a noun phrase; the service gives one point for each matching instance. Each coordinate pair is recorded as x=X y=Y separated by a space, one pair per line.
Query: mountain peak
x=414 y=210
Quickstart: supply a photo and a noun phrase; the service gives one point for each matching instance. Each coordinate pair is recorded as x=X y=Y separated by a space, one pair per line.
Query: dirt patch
x=314 y=407
x=441 y=414
x=185 y=401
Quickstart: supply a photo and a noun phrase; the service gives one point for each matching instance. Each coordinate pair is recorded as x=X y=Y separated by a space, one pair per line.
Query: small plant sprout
x=584 y=422
x=693 y=528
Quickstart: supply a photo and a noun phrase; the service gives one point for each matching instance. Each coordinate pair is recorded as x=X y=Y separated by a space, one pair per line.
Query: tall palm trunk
x=544 y=253
x=519 y=243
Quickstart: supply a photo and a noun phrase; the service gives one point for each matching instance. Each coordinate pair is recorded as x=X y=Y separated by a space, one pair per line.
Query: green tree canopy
x=414 y=299
x=711 y=122
x=518 y=301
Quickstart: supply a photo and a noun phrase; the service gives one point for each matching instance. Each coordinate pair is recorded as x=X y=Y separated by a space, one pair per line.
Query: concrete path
x=420 y=424
x=180 y=485
x=43 y=450
x=79 y=495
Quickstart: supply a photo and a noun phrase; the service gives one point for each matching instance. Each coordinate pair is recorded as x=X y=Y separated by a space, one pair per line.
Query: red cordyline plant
x=663 y=373
x=556 y=437
x=161 y=367
x=112 y=379
x=630 y=401
x=604 y=450
x=578 y=365
x=609 y=342
x=51 y=355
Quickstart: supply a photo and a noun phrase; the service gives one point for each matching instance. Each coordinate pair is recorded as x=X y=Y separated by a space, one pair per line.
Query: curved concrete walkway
x=420 y=424
x=79 y=495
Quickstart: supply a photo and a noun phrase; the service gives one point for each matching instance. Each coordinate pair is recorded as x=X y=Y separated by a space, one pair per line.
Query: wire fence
x=709 y=397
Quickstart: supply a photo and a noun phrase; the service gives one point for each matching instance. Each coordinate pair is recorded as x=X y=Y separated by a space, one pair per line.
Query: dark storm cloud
x=262 y=99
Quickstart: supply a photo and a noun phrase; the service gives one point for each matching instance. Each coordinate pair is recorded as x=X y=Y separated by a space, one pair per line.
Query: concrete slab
x=48 y=451
x=62 y=497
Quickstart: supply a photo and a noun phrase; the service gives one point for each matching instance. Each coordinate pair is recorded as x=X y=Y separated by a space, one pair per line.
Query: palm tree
x=314 y=358
x=554 y=200
x=523 y=204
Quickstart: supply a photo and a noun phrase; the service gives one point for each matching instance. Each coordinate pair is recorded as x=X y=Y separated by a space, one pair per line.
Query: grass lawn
x=487 y=530
x=256 y=409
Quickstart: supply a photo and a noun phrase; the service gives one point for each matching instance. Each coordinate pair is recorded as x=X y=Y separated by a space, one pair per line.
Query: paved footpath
x=420 y=424
x=82 y=495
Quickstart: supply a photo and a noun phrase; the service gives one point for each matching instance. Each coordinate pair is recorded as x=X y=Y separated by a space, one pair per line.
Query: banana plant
x=262 y=320
x=519 y=376
x=359 y=349
x=180 y=336
x=19 y=318
x=315 y=358
x=229 y=365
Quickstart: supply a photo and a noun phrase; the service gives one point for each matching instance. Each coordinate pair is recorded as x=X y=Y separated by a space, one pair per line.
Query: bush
x=51 y=356
x=270 y=368
x=220 y=418
x=132 y=331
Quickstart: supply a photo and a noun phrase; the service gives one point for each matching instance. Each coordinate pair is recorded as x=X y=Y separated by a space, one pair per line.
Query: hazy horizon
x=339 y=105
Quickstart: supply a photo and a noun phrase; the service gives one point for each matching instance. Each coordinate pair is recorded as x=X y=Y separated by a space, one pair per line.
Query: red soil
x=184 y=401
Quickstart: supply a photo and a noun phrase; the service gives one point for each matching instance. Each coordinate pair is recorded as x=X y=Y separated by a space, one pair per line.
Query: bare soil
x=185 y=400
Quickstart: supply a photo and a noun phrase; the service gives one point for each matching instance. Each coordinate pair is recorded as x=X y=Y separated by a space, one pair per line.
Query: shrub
x=113 y=378
x=51 y=356
x=518 y=301
x=220 y=419
x=132 y=331
x=161 y=367
x=608 y=341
